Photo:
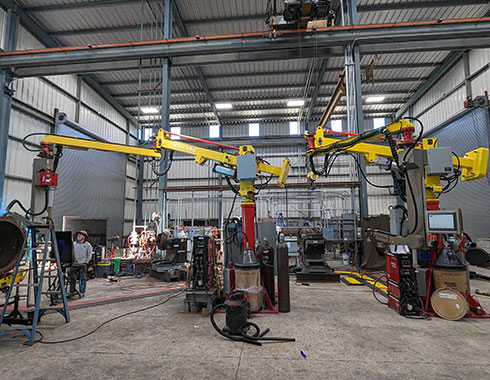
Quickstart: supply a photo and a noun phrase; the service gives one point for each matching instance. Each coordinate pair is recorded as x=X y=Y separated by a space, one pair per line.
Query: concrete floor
x=343 y=331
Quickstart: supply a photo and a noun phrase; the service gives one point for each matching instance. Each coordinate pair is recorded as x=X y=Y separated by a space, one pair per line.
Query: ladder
x=29 y=254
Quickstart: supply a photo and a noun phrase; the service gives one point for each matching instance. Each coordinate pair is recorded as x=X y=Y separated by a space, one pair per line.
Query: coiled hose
x=254 y=338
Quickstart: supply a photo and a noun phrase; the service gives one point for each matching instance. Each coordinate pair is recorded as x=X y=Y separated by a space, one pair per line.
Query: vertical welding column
x=354 y=96
x=6 y=92
x=165 y=113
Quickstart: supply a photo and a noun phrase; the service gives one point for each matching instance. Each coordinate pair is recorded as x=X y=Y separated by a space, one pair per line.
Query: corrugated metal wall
x=467 y=133
x=445 y=107
x=91 y=184
x=479 y=60
x=33 y=107
x=446 y=97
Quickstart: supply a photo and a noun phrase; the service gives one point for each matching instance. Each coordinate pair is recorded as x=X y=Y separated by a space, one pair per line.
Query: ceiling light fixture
x=148 y=110
x=296 y=103
x=375 y=99
x=224 y=106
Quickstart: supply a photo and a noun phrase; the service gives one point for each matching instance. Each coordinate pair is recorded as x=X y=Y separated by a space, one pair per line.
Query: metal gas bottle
x=283 y=276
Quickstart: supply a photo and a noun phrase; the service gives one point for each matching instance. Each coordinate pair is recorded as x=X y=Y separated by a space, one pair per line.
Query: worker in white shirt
x=82 y=254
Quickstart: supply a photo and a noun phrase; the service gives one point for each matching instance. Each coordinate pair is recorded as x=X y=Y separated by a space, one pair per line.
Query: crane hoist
x=244 y=166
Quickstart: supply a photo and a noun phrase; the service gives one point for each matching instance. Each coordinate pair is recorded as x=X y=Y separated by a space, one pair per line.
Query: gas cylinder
x=283 y=275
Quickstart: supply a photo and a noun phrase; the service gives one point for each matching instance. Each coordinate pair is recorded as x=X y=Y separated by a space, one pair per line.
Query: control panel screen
x=442 y=221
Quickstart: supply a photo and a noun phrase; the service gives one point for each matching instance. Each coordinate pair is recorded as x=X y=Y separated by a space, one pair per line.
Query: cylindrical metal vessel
x=11 y=240
x=283 y=277
x=267 y=272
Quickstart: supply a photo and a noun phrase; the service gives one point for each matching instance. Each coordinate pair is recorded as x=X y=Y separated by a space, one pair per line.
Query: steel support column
x=467 y=73
x=355 y=117
x=79 y=98
x=165 y=113
x=6 y=92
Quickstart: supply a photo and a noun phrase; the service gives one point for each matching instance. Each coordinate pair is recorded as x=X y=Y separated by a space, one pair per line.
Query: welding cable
x=231 y=210
x=154 y=165
x=228 y=181
x=267 y=181
x=453 y=180
x=57 y=156
x=365 y=176
x=339 y=146
x=28 y=212
x=24 y=140
x=235 y=234
x=179 y=293
x=374 y=290
x=417 y=140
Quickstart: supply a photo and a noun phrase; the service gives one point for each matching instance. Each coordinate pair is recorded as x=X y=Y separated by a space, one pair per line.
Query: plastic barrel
x=346 y=257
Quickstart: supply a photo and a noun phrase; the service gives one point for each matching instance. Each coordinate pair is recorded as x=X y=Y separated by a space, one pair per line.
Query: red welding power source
x=401 y=284
x=48 y=179
x=396 y=265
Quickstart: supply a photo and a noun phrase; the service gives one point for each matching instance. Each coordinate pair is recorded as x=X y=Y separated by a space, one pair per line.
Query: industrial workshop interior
x=244 y=189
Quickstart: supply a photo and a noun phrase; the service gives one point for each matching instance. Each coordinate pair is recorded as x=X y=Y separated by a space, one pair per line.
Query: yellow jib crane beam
x=473 y=165
x=163 y=142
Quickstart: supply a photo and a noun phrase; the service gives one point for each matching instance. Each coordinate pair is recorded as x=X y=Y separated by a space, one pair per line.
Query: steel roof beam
x=261 y=97
x=94 y=67
x=260 y=74
x=315 y=116
x=263 y=118
x=405 y=94
x=292 y=86
x=264 y=106
x=432 y=35
x=267 y=107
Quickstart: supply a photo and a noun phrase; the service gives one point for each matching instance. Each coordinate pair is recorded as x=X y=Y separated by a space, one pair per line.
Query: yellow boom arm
x=163 y=141
x=473 y=165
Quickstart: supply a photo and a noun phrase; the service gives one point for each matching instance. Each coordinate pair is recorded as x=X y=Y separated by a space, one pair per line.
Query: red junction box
x=48 y=179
